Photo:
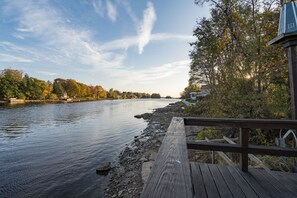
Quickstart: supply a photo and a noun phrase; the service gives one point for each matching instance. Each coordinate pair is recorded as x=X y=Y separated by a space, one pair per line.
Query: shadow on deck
x=174 y=176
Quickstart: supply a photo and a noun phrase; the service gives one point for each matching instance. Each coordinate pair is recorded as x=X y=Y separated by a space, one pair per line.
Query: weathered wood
x=244 y=143
x=251 y=156
x=282 y=178
x=254 y=149
x=231 y=183
x=213 y=156
x=209 y=183
x=223 y=155
x=228 y=181
x=261 y=192
x=222 y=187
x=218 y=140
x=197 y=179
x=245 y=187
x=170 y=175
x=279 y=186
x=242 y=123
x=292 y=59
x=265 y=184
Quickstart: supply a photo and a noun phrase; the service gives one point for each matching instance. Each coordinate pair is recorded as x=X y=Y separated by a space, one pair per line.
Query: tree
x=72 y=88
x=155 y=95
x=58 y=87
x=10 y=84
x=231 y=55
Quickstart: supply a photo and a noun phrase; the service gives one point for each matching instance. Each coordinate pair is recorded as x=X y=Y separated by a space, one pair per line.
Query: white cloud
x=146 y=26
x=129 y=11
x=67 y=45
x=111 y=11
x=22 y=29
x=127 y=42
x=98 y=6
x=105 y=6
x=148 y=76
x=12 y=58
x=47 y=73
x=60 y=39
x=18 y=36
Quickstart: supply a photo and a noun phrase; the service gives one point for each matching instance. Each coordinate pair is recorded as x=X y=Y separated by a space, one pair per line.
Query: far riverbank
x=19 y=101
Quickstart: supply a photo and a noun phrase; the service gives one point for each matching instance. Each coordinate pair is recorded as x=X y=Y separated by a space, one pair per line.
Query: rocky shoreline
x=134 y=164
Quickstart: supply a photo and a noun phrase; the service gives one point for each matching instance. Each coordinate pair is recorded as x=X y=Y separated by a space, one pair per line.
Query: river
x=52 y=150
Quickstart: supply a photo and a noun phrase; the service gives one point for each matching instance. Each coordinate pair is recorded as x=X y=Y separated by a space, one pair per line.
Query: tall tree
x=232 y=56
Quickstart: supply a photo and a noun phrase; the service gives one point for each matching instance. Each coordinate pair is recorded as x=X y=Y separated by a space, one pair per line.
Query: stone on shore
x=145 y=116
x=104 y=167
x=146 y=169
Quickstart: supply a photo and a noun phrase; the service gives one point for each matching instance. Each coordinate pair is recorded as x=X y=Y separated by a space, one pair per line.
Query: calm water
x=52 y=150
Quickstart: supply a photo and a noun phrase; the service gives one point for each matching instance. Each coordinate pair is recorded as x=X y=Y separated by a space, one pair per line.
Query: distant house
x=193 y=95
x=200 y=94
x=65 y=96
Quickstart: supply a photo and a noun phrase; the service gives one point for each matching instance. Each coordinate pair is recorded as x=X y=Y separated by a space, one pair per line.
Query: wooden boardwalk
x=226 y=181
x=174 y=176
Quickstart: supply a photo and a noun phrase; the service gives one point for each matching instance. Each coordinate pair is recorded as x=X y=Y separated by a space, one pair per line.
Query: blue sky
x=129 y=45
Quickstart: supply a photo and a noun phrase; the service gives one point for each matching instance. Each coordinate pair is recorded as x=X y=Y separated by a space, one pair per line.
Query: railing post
x=244 y=142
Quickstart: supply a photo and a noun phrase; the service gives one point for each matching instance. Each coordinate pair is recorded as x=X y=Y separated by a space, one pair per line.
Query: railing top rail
x=241 y=123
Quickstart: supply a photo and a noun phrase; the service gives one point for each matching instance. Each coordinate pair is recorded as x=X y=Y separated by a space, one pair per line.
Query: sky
x=128 y=45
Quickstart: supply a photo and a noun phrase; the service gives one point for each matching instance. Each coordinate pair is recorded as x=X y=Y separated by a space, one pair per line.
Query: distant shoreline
x=24 y=102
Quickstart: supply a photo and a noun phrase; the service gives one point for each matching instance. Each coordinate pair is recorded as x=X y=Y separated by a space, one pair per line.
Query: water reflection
x=53 y=150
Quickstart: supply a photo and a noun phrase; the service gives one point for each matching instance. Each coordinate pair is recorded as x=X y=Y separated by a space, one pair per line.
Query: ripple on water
x=64 y=145
x=13 y=130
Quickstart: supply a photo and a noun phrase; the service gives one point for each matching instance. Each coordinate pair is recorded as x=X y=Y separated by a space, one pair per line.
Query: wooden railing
x=243 y=148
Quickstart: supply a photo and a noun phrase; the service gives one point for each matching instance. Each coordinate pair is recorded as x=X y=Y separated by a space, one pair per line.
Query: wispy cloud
x=146 y=26
x=47 y=73
x=146 y=76
x=103 y=7
x=22 y=29
x=98 y=6
x=12 y=58
x=18 y=36
x=73 y=44
x=111 y=11
x=129 y=11
x=125 y=43
x=65 y=44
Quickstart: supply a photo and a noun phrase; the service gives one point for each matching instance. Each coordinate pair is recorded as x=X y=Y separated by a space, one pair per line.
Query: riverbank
x=135 y=162
x=75 y=100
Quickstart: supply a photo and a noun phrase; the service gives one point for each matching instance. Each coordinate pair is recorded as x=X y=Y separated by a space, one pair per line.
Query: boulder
x=138 y=116
x=103 y=167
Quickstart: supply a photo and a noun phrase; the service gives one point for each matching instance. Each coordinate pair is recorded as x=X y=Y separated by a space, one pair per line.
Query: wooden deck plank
x=231 y=183
x=261 y=192
x=209 y=183
x=170 y=175
x=197 y=179
x=266 y=184
x=290 y=184
x=285 y=192
x=292 y=176
x=245 y=187
x=222 y=187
